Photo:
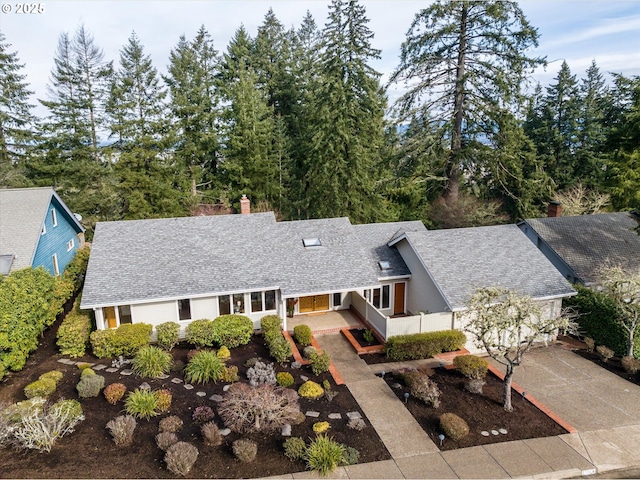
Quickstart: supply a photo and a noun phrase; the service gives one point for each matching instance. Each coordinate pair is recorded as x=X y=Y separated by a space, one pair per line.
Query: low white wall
x=420 y=323
x=204 y=308
x=155 y=313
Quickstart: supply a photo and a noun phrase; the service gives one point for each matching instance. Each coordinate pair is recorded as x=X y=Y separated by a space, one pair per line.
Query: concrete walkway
x=604 y=409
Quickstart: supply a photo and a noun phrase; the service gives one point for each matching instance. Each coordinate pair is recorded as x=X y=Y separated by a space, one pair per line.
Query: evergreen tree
x=345 y=121
x=464 y=62
x=16 y=119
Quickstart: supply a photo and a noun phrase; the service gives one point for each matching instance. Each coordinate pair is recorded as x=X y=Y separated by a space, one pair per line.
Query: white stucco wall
x=155 y=313
x=204 y=308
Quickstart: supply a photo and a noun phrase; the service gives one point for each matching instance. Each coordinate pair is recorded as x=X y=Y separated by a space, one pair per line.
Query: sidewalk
x=604 y=409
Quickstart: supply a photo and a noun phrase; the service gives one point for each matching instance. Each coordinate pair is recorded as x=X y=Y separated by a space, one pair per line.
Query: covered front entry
x=314 y=303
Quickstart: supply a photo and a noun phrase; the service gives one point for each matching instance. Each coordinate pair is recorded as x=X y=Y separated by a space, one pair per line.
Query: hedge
x=73 y=334
x=424 y=345
x=125 y=340
x=232 y=330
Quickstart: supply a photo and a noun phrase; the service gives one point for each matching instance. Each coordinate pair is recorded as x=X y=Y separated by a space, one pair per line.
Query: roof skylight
x=384 y=265
x=311 y=242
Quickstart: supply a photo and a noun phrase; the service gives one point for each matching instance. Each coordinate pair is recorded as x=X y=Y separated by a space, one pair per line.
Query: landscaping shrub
x=229 y=374
x=165 y=439
x=631 y=365
x=86 y=371
x=329 y=394
x=310 y=390
x=77 y=267
x=605 y=352
x=55 y=375
x=294 y=448
x=71 y=408
x=280 y=348
x=114 y=392
x=164 y=400
x=200 y=333
x=471 y=366
x=422 y=387
x=284 y=379
x=203 y=414
x=125 y=340
x=270 y=325
x=324 y=454
x=424 y=345
x=351 y=456
x=590 y=344
x=43 y=387
x=211 y=434
x=73 y=334
x=320 y=427
x=264 y=408
x=170 y=424
x=261 y=373
x=245 y=450
x=223 y=353
x=357 y=424
x=151 y=362
x=142 y=404
x=232 y=330
x=453 y=426
x=308 y=351
x=180 y=458
x=121 y=429
x=204 y=367
x=320 y=362
x=167 y=335
x=90 y=386
x=302 y=334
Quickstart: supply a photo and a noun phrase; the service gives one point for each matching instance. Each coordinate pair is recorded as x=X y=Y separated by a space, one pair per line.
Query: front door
x=110 y=317
x=398 y=298
x=314 y=303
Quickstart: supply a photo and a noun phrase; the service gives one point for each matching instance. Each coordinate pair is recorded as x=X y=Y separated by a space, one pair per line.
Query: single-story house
x=579 y=246
x=37 y=229
x=398 y=276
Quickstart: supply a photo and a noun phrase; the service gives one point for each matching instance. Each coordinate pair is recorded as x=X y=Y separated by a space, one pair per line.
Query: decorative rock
x=312 y=414
x=188 y=387
x=85 y=363
x=484 y=433
x=494 y=432
x=201 y=394
x=112 y=369
x=144 y=386
x=225 y=431
x=396 y=385
x=99 y=367
x=66 y=361
x=126 y=372
x=226 y=387
x=335 y=416
x=162 y=376
x=304 y=378
x=296 y=365
x=352 y=415
x=215 y=398
x=503 y=431
x=286 y=430
x=176 y=380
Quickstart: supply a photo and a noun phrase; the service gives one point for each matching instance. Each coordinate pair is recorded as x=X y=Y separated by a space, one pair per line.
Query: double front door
x=314 y=303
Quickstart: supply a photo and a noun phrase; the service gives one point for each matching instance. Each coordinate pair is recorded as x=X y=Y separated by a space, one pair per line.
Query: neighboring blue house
x=37 y=229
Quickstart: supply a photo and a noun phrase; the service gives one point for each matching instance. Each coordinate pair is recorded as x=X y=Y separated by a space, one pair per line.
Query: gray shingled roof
x=464 y=259
x=374 y=238
x=587 y=242
x=142 y=260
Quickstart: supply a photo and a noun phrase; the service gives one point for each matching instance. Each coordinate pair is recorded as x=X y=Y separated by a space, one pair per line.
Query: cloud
x=607 y=27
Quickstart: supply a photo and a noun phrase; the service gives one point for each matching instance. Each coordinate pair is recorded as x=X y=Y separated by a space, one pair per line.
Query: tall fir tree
x=345 y=121
x=17 y=121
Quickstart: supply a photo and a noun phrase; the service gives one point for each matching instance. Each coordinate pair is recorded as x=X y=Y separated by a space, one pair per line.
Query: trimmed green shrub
x=151 y=362
x=43 y=387
x=320 y=362
x=229 y=374
x=310 y=389
x=200 y=333
x=245 y=450
x=294 y=448
x=204 y=367
x=302 y=334
x=90 y=386
x=114 y=392
x=308 y=351
x=280 y=348
x=164 y=400
x=85 y=372
x=142 y=404
x=167 y=335
x=232 y=330
x=351 y=456
x=453 y=426
x=424 y=345
x=77 y=267
x=125 y=340
x=284 y=379
x=55 y=375
x=73 y=334
x=320 y=427
x=180 y=458
x=223 y=353
x=471 y=366
x=270 y=324
x=324 y=454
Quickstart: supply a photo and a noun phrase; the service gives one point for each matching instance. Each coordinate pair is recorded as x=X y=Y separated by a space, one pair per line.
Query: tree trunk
x=506 y=393
x=630 y=341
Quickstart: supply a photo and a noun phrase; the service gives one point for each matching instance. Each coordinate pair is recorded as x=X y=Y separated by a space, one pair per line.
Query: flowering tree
x=506 y=325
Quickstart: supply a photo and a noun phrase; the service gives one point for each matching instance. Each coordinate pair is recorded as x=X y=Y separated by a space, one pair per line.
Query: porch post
x=283 y=308
x=99 y=318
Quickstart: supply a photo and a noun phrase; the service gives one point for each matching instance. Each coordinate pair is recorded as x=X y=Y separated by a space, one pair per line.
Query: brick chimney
x=554 y=209
x=245 y=205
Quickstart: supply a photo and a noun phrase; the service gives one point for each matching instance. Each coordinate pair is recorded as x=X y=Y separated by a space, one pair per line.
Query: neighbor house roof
x=462 y=260
x=144 y=260
x=22 y=213
x=588 y=242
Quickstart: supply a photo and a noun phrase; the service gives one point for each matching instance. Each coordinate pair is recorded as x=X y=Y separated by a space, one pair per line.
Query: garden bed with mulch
x=614 y=365
x=482 y=412
x=89 y=452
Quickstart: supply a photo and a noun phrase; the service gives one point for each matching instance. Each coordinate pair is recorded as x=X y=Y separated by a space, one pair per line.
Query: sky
x=578 y=31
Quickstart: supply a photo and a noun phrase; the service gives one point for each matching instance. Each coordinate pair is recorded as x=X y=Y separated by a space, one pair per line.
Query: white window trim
x=382 y=306
x=56 y=267
x=178 y=311
x=44 y=229
x=262 y=302
x=54 y=217
x=70 y=245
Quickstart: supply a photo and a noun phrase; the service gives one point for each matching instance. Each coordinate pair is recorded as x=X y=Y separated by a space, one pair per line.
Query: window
x=311 y=242
x=337 y=299
x=44 y=229
x=224 y=305
x=238 y=303
x=270 y=300
x=54 y=259
x=70 y=245
x=256 y=301
x=124 y=312
x=384 y=265
x=184 y=309
x=54 y=217
x=386 y=291
x=376 y=298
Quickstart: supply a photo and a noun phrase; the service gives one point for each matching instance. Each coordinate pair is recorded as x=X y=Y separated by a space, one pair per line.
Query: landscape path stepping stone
x=144 y=386
x=225 y=431
x=201 y=394
x=66 y=361
x=162 y=376
x=503 y=431
x=312 y=414
x=226 y=387
x=484 y=433
x=495 y=432
x=286 y=430
x=99 y=367
x=126 y=372
x=335 y=416
x=215 y=398
x=188 y=387
x=353 y=415
x=304 y=378
x=112 y=369
x=176 y=380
